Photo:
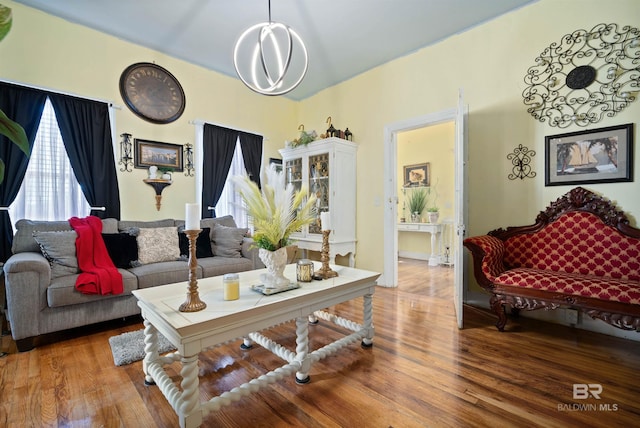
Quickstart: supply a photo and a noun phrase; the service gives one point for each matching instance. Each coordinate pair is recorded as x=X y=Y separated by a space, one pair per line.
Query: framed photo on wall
x=163 y=155
x=603 y=155
x=416 y=175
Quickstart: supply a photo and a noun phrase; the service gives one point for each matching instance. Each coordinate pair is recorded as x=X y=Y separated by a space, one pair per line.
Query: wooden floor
x=421 y=371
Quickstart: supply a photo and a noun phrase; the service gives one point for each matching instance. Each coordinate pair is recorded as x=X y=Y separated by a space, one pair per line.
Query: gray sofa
x=40 y=278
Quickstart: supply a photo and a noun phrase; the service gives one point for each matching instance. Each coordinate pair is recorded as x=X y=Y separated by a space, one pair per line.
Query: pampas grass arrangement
x=277 y=210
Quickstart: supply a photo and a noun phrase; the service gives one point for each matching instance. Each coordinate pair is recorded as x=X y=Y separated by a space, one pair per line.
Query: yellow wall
x=433 y=145
x=49 y=52
x=488 y=61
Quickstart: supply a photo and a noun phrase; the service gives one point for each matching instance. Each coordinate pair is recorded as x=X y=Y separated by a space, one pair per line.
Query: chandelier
x=270 y=58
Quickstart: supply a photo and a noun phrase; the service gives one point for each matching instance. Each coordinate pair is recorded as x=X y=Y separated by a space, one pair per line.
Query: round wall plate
x=152 y=93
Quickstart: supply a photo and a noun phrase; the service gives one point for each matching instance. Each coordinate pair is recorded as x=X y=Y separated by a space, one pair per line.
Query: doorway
x=390 y=275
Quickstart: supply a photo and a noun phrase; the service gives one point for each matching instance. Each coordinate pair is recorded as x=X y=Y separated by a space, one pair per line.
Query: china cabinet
x=328 y=168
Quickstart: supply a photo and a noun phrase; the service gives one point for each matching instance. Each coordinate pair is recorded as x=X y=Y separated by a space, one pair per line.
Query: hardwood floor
x=421 y=371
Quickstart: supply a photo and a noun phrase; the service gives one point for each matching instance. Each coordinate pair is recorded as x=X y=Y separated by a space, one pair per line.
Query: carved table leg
x=302 y=350
x=150 y=349
x=246 y=343
x=313 y=319
x=367 y=341
x=497 y=305
x=189 y=401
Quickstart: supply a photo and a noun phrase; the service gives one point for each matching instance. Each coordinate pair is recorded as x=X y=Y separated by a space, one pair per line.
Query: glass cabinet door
x=319 y=185
x=293 y=173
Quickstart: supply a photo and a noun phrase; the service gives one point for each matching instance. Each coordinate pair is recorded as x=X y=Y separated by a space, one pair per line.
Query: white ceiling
x=344 y=37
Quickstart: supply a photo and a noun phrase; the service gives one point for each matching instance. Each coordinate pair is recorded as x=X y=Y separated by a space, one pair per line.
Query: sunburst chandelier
x=270 y=58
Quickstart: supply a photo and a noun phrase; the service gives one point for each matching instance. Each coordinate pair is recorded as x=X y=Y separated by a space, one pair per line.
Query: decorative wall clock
x=584 y=77
x=152 y=93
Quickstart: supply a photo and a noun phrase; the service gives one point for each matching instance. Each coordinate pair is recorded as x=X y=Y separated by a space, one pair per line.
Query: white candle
x=192 y=217
x=325 y=221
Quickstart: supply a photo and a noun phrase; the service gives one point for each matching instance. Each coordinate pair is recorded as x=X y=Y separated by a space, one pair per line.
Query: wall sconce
x=188 y=163
x=126 y=158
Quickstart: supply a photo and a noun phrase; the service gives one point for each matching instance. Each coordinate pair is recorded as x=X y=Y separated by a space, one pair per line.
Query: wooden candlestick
x=325 y=271
x=193 y=302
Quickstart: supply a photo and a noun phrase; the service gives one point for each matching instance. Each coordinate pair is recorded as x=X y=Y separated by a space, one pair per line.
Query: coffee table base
x=185 y=400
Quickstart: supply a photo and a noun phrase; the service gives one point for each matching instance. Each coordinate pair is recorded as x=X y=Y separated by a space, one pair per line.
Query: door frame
x=389 y=277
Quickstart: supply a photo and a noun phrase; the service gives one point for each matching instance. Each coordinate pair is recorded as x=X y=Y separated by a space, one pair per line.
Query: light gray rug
x=129 y=347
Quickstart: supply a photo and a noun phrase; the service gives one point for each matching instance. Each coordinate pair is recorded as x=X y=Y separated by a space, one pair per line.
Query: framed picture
x=603 y=155
x=162 y=155
x=416 y=175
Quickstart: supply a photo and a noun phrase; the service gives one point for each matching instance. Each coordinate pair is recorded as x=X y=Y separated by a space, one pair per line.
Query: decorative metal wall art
x=588 y=75
x=521 y=161
x=126 y=153
x=188 y=160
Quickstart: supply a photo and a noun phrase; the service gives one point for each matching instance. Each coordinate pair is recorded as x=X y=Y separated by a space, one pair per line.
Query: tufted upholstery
x=577 y=242
x=581 y=252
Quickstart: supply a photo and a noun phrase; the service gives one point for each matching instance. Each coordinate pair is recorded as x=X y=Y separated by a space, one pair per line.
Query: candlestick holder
x=193 y=302
x=325 y=271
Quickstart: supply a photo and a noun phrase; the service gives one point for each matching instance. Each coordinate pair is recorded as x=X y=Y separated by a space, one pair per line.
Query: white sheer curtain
x=230 y=202
x=50 y=190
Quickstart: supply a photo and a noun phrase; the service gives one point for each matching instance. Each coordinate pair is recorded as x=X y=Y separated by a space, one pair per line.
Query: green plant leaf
x=14 y=132
x=1 y=171
x=5 y=21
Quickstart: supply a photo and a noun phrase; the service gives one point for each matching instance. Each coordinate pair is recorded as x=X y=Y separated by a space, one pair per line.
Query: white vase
x=433 y=216
x=274 y=261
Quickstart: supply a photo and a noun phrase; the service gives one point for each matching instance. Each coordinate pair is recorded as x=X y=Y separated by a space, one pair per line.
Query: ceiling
x=344 y=37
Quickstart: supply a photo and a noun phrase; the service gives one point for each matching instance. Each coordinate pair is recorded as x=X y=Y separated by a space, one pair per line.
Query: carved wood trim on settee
x=621 y=315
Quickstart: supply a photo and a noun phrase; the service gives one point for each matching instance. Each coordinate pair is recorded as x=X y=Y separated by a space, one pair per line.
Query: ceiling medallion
x=588 y=75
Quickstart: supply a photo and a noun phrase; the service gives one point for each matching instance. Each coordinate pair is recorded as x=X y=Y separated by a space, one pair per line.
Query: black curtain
x=24 y=106
x=251 y=145
x=86 y=133
x=218 y=145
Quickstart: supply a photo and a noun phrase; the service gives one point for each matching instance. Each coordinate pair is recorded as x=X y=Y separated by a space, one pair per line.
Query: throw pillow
x=227 y=241
x=203 y=244
x=59 y=248
x=122 y=248
x=158 y=245
x=24 y=241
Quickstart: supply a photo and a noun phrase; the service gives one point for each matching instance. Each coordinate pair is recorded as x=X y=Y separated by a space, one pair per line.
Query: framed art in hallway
x=416 y=175
x=163 y=155
x=603 y=155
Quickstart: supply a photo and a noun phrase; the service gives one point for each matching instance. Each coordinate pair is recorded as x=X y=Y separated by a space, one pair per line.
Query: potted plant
x=277 y=211
x=417 y=200
x=166 y=172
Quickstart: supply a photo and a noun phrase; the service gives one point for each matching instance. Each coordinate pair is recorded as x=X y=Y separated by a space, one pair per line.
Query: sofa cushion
x=158 y=244
x=215 y=266
x=125 y=225
x=122 y=248
x=596 y=287
x=227 y=241
x=62 y=291
x=203 y=243
x=577 y=242
x=225 y=220
x=163 y=273
x=59 y=248
x=23 y=239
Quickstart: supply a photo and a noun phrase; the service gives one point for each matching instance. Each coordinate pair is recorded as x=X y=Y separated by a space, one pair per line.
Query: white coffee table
x=223 y=321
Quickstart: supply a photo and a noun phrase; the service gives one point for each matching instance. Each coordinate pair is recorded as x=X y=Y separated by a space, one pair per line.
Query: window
x=50 y=190
x=230 y=202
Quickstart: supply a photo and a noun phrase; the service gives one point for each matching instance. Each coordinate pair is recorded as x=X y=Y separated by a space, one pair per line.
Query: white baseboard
x=412 y=255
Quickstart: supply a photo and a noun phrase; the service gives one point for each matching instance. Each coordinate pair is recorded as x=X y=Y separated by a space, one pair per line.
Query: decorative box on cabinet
x=328 y=168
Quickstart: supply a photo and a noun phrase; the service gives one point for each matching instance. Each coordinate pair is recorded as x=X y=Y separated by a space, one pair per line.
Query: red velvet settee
x=580 y=253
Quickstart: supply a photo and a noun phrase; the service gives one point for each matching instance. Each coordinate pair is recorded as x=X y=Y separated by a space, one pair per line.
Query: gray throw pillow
x=23 y=239
x=59 y=248
x=227 y=241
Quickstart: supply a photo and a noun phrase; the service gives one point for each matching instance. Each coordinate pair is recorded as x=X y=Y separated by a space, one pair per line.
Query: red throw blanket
x=98 y=273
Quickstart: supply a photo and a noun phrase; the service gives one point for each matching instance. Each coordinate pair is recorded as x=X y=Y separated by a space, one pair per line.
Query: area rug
x=129 y=347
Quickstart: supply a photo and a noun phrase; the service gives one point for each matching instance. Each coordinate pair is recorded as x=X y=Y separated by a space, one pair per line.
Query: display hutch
x=328 y=168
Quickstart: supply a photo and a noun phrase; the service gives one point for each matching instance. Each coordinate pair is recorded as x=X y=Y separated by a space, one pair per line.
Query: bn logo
x=582 y=391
